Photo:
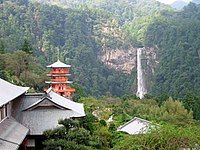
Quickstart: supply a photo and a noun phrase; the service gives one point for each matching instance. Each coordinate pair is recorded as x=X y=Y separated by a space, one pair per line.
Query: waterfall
x=141 y=90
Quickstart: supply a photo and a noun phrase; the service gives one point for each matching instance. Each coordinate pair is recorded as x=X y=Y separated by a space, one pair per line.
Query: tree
x=166 y=137
x=2 y=47
x=26 y=47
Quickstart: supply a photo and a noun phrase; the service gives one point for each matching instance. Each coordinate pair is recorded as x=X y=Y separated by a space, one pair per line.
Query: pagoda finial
x=58 y=54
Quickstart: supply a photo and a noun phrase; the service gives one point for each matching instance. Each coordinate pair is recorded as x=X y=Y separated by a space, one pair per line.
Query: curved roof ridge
x=135 y=118
x=60 y=101
x=10 y=91
x=67 y=103
x=58 y=64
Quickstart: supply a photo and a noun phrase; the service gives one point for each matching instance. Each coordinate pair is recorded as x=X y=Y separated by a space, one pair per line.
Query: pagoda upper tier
x=59 y=73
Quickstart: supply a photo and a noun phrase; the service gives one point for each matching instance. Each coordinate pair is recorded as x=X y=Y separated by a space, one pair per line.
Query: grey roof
x=29 y=112
x=10 y=91
x=12 y=134
x=4 y=145
x=61 y=101
x=58 y=64
x=67 y=103
x=38 y=120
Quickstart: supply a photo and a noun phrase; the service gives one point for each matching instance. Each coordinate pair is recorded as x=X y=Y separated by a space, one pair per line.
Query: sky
x=170 y=1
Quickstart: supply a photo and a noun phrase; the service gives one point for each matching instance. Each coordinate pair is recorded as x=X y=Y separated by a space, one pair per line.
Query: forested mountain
x=100 y=40
x=177 y=36
x=124 y=10
x=80 y=34
x=85 y=32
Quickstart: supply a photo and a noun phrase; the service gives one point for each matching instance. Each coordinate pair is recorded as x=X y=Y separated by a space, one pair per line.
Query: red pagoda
x=59 y=73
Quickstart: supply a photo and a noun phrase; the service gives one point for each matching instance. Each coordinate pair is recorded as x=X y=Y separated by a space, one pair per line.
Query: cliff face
x=125 y=60
x=119 y=59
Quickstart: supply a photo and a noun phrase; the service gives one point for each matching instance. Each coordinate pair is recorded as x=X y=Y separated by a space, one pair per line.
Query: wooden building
x=59 y=74
x=25 y=116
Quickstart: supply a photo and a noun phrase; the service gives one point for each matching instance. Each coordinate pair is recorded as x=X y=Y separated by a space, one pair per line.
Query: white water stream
x=141 y=90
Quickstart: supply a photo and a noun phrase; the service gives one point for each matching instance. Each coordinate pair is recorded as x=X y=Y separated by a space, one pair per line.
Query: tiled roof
x=67 y=103
x=61 y=101
x=12 y=134
x=9 y=91
x=4 y=145
x=58 y=64
x=29 y=112
x=135 y=126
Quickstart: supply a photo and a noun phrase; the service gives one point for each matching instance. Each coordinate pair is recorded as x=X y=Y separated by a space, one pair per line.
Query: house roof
x=28 y=111
x=135 y=126
x=12 y=134
x=10 y=91
x=58 y=64
x=61 y=101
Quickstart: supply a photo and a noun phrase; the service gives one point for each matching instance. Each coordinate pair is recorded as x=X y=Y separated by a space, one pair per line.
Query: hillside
x=177 y=36
x=124 y=10
x=105 y=41
x=101 y=41
x=82 y=35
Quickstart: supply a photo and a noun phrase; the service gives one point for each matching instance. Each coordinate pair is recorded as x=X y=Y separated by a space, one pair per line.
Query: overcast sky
x=171 y=1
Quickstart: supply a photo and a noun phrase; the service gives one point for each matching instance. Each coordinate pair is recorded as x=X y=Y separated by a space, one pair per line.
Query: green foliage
x=170 y=111
x=176 y=34
x=192 y=102
x=28 y=73
x=2 y=47
x=75 y=134
x=174 y=112
x=112 y=127
x=166 y=137
x=81 y=31
x=102 y=122
x=63 y=144
x=175 y=126
x=69 y=123
x=26 y=47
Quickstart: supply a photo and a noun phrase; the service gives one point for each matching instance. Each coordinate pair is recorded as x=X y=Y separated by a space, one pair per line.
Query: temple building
x=59 y=73
x=25 y=116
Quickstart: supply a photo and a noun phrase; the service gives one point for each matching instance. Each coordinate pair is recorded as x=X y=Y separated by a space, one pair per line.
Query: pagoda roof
x=58 y=64
x=58 y=75
x=10 y=91
x=61 y=82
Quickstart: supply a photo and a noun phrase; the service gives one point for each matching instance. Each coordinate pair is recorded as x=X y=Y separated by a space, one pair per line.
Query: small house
x=135 y=126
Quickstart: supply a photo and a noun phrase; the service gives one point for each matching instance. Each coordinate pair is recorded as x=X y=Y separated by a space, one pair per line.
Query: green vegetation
x=81 y=31
x=177 y=36
x=20 y=67
x=176 y=126
x=34 y=34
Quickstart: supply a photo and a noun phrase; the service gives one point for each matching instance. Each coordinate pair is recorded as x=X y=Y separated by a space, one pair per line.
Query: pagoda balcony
x=59 y=80
x=58 y=75
x=59 y=72
x=65 y=90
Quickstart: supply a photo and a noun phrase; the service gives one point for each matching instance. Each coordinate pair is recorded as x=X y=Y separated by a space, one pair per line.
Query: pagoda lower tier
x=62 y=89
